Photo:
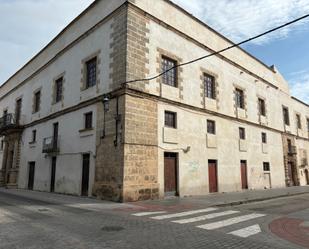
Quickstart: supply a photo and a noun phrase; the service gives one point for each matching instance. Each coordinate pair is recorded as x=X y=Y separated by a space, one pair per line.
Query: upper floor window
x=298 y=120
x=286 y=116
x=266 y=166
x=308 y=124
x=209 y=86
x=37 y=101
x=58 y=89
x=289 y=141
x=88 y=120
x=33 y=138
x=211 y=127
x=170 y=77
x=264 y=138
x=262 y=107
x=170 y=119
x=240 y=98
x=91 y=72
x=18 y=110
x=242 y=133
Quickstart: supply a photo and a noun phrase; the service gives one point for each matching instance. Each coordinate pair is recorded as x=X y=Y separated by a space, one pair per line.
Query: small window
x=170 y=77
x=286 y=117
x=33 y=139
x=91 y=72
x=242 y=133
x=88 y=120
x=37 y=101
x=211 y=127
x=266 y=166
x=209 y=86
x=264 y=138
x=298 y=120
x=170 y=119
x=240 y=98
x=58 y=89
x=262 y=107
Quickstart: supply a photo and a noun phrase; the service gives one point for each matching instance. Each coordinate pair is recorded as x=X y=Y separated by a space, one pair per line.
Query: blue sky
x=30 y=24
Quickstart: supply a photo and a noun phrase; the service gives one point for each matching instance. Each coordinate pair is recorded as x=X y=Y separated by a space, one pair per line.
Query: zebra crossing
x=203 y=219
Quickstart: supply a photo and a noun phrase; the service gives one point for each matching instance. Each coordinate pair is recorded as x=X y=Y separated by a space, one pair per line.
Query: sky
x=26 y=26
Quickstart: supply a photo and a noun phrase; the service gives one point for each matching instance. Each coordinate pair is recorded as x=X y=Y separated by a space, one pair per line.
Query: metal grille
x=170 y=77
x=91 y=72
x=209 y=86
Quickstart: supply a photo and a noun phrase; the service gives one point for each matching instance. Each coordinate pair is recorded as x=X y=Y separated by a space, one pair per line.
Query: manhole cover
x=112 y=229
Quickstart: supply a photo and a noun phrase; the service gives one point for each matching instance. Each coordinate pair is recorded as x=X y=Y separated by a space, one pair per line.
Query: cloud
x=28 y=25
x=241 y=19
x=299 y=83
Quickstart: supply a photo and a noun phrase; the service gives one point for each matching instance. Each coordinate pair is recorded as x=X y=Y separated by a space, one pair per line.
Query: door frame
x=242 y=164
x=32 y=163
x=53 y=169
x=307 y=176
x=82 y=171
x=215 y=162
x=176 y=193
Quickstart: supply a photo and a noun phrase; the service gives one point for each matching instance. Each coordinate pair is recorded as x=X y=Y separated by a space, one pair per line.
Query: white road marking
x=247 y=232
x=232 y=221
x=149 y=213
x=205 y=217
x=168 y=216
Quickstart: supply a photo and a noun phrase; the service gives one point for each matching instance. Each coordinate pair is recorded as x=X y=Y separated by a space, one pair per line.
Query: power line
x=220 y=51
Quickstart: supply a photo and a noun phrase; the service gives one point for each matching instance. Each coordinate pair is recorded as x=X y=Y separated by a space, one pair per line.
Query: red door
x=244 y=175
x=213 y=176
x=170 y=173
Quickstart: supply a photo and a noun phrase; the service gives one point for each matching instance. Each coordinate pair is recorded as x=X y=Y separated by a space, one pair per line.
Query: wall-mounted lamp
x=105 y=102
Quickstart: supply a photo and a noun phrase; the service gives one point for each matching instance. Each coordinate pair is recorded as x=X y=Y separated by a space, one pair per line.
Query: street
x=30 y=222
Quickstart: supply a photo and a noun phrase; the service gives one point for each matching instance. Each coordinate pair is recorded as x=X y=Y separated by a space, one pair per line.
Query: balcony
x=8 y=123
x=51 y=145
x=292 y=150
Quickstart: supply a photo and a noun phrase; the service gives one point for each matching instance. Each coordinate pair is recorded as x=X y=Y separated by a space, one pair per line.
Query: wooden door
x=213 y=176
x=85 y=175
x=244 y=175
x=307 y=176
x=31 y=175
x=292 y=174
x=53 y=174
x=170 y=173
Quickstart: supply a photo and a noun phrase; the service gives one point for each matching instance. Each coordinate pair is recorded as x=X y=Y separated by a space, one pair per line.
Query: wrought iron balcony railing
x=51 y=145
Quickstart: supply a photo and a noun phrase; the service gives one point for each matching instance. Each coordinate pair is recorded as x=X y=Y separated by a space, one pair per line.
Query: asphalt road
x=31 y=223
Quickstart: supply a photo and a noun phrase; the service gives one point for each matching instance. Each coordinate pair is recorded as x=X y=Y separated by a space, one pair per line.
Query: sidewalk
x=223 y=199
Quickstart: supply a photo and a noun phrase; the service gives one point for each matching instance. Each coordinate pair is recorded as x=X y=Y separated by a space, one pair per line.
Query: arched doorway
x=307 y=176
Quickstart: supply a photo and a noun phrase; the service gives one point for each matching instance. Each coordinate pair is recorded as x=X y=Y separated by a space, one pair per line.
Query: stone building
x=75 y=121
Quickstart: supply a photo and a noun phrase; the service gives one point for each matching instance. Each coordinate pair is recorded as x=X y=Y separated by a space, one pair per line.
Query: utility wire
x=220 y=51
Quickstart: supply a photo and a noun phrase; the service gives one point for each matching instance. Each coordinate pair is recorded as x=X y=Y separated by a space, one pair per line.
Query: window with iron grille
x=211 y=127
x=37 y=101
x=240 y=98
x=286 y=117
x=170 y=77
x=171 y=119
x=266 y=166
x=262 y=107
x=88 y=120
x=264 y=138
x=298 y=120
x=242 y=133
x=58 y=89
x=91 y=72
x=209 y=86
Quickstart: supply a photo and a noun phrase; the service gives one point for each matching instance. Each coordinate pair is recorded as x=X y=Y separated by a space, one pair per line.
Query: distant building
x=70 y=125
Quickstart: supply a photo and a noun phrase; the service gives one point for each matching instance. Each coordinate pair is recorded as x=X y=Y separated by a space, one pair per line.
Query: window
x=88 y=120
x=242 y=133
x=289 y=145
x=286 y=117
x=240 y=98
x=2 y=145
x=298 y=120
x=262 y=107
x=58 y=89
x=91 y=72
x=33 y=139
x=211 y=127
x=170 y=77
x=170 y=119
x=209 y=86
x=264 y=138
x=308 y=124
x=37 y=101
x=266 y=166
